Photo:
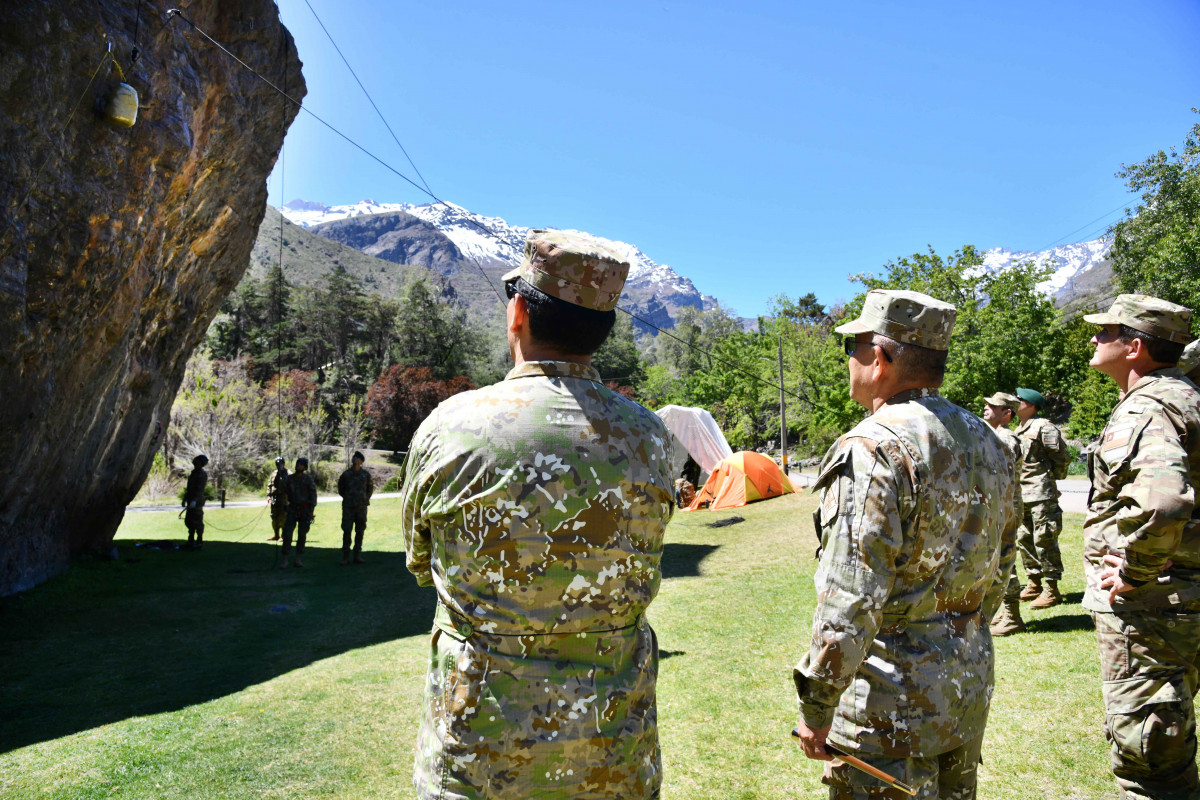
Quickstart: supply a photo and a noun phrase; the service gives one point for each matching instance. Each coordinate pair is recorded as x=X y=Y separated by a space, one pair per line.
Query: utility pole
x=782 y=418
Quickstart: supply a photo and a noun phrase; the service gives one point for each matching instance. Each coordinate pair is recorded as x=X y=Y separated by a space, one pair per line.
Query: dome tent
x=700 y=435
x=740 y=479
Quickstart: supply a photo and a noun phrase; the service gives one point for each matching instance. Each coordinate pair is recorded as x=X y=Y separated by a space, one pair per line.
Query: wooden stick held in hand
x=859 y=764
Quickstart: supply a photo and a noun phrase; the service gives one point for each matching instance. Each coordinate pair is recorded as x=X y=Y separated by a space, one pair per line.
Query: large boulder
x=117 y=244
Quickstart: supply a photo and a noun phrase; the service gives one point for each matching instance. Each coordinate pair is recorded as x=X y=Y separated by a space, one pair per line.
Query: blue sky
x=758 y=148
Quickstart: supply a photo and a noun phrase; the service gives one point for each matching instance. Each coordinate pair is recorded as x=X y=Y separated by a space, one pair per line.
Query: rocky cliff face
x=117 y=244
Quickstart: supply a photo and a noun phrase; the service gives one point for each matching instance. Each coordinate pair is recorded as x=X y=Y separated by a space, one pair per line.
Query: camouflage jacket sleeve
x=418 y=483
x=1157 y=499
x=1008 y=544
x=1056 y=450
x=865 y=501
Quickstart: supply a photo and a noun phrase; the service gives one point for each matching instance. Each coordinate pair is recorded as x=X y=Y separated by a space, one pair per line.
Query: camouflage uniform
x=302 y=502
x=193 y=499
x=1044 y=460
x=278 y=498
x=1012 y=445
x=356 y=489
x=917 y=526
x=536 y=507
x=1145 y=474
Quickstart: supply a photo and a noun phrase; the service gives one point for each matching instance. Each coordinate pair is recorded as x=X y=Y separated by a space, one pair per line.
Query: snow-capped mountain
x=1080 y=269
x=492 y=241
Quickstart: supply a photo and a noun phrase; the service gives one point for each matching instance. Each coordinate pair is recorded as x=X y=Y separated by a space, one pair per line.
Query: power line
x=1121 y=207
x=174 y=12
x=368 y=94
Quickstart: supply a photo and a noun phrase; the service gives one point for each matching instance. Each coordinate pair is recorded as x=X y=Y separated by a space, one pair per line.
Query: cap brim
x=854 y=326
x=511 y=275
x=1101 y=319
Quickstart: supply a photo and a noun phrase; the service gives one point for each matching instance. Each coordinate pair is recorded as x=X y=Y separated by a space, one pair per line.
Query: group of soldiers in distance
x=536 y=509
x=293 y=501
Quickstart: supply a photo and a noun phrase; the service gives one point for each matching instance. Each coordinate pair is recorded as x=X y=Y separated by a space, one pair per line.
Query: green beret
x=1031 y=396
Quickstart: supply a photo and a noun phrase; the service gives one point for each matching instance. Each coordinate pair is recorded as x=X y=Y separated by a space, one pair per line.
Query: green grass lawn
x=177 y=674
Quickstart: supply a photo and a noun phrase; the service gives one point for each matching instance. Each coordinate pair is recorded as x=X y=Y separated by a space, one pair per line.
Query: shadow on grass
x=161 y=630
x=1065 y=623
x=683 y=560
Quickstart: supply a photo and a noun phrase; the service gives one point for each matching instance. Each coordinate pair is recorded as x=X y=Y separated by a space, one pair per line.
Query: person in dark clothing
x=193 y=502
x=302 y=500
x=356 y=488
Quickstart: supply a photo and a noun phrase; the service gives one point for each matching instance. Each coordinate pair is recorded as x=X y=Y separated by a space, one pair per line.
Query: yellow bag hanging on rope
x=122 y=106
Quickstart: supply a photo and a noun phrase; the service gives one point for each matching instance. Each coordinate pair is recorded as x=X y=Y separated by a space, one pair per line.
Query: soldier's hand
x=813 y=741
x=1110 y=577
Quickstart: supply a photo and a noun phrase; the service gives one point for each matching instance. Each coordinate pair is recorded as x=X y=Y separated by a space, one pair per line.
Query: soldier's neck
x=524 y=348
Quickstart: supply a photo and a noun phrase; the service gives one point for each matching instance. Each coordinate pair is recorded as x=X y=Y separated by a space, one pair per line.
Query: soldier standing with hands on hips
x=1142 y=548
x=917 y=527
x=536 y=507
x=1044 y=461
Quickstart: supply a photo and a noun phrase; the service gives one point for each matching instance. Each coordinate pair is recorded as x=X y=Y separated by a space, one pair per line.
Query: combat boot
x=1008 y=619
x=1032 y=590
x=345 y=559
x=1049 y=596
x=284 y=564
x=358 y=559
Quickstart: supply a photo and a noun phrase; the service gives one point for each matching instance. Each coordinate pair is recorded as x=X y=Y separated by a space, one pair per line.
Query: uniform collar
x=554 y=369
x=1150 y=377
x=911 y=394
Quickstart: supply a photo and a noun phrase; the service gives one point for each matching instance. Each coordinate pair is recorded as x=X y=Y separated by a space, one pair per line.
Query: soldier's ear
x=518 y=313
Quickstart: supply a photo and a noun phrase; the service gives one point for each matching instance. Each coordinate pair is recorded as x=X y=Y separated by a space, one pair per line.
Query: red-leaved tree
x=403 y=397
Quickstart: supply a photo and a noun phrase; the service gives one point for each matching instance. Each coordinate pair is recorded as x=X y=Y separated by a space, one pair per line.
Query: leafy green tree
x=618 y=359
x=1005 y=334
x=1156 y=248
x=433 y=334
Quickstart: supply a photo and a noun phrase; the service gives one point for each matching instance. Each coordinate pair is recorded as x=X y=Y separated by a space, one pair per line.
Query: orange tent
x=740 y=479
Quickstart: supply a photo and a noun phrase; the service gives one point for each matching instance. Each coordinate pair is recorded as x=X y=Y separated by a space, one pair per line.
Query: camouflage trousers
x=568 y=715
x=193 y=518
x=298 y=520
x=278 y=517
x=949 y=776
x=353 y=519
x=1149 y=663
x=1038 y=540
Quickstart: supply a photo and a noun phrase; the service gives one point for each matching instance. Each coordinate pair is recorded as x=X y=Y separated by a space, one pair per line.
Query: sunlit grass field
x=178 y=674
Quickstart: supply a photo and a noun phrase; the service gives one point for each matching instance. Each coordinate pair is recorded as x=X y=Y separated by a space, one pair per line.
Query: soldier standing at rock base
x=1142 y=549
x=999 y=410
x=917 y=524
x=193 y=501
x=278 y=498
x=1044 y=461
x=302 y=502
x=356 y=489
x=537 y=507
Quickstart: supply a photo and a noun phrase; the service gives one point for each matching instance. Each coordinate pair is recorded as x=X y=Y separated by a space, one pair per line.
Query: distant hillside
x=654 y=291
x=307 y=258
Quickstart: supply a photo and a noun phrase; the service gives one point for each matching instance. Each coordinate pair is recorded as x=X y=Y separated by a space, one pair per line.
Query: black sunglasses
x=510 y=289
x=850 y=345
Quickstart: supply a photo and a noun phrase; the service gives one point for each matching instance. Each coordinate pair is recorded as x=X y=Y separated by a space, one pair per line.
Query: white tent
x=701 y=437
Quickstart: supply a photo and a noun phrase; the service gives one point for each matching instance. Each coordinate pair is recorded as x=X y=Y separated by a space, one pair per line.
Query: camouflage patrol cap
x=1148 y=315
x=908 y=317
x=1191 y=357
x=577 y=267
x=1004 y=400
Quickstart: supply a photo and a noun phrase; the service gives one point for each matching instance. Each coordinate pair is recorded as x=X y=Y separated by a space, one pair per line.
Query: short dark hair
x=562 y=326
x=923 y=365
x=1163 y=351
